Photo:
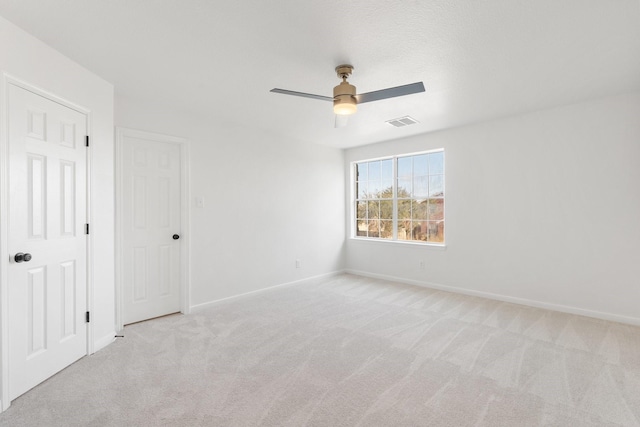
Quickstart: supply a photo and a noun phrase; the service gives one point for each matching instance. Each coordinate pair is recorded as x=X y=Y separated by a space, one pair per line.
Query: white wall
x=24 y=57
x=543 y=207
x=268 y=202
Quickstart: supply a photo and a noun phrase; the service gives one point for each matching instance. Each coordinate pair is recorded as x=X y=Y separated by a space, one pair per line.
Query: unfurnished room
x=320 y=213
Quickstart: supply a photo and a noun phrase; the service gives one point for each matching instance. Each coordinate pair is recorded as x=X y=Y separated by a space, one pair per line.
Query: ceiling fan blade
x=391 y=92
x=341 y=121
x=305 y=95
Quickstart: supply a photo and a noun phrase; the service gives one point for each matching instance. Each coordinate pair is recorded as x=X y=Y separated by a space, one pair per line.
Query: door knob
x=176 y=236
x=20 y=257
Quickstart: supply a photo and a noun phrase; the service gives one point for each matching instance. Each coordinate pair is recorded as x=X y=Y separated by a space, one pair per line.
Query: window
x=401 y=198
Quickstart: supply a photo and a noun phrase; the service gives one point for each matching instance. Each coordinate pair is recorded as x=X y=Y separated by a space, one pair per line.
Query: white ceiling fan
x=345 y=100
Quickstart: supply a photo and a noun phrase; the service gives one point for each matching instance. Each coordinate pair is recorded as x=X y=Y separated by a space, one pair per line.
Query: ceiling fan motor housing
x=344 y=101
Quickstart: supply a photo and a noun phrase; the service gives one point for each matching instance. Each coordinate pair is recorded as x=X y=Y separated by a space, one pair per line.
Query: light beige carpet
x=351 y=351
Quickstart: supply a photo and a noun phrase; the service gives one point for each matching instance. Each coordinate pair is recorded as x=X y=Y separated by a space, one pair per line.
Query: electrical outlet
x=199 y=202
x=421 y=265
x=297 y=263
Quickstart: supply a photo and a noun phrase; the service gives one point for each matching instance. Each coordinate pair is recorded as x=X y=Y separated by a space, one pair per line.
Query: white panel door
x=47 y=212
x=151 y=260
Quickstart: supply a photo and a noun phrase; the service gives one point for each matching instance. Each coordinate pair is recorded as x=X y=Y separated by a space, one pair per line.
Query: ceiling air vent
x=402 y=121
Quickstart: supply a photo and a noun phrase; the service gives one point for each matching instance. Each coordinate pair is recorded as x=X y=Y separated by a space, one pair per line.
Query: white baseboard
x=101 y=343
x=203 y=306
x=515 y=300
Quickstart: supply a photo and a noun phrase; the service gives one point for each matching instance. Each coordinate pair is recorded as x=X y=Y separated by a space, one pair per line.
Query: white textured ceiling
x=218 y=59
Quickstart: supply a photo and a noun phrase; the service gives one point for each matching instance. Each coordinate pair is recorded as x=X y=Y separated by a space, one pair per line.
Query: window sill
x=404 y=243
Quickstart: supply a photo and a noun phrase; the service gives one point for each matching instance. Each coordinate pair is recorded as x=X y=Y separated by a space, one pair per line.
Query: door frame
x=185 y=216
x=7 y=80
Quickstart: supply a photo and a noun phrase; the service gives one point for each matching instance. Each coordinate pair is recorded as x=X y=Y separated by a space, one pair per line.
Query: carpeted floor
x=351 y=351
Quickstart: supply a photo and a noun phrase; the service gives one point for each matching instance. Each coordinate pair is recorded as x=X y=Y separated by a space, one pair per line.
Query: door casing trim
x=7 y=80
x=185 y=215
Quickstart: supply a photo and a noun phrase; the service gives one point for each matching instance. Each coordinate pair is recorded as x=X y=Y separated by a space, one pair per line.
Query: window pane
x=404 y=167
x=386 y=229
x=404 y=209
x=374 y=209
x=419 y=230
x=436 y=185
x=404 y=230
x=387 y=170
x=361 y=210
x=404 y=187
x=419 y=209
x=386 y=209
x=436 y=163
x=420 y=186
x=374 y=228
x=361 y=228
x=374 y=170
x=361 y=172
x=362 y=189
x=387 y=189
x=375 y=189
x=435 y=232
x=436 y=209
x=420 y=165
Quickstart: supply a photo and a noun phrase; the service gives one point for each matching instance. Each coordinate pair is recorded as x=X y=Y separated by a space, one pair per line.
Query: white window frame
x=394 y=239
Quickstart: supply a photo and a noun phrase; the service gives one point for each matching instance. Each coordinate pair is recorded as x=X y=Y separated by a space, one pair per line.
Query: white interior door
x=151 y=244
x=47 y=212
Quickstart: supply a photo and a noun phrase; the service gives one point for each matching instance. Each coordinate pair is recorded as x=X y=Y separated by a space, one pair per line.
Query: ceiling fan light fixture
x=344 y=105
x=344 y=101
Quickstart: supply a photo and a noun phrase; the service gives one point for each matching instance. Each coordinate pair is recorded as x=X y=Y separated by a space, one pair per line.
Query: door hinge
x=87 y=317
x=86 y=141
x=86 y=229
